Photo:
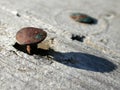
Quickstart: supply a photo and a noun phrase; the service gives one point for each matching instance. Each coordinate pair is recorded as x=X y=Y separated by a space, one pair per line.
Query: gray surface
x=89 y=65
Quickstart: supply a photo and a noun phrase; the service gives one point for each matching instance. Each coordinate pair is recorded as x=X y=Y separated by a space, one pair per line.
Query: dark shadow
x=84 y=61
x=34 y=49
x=76 y=59
x=20 y=47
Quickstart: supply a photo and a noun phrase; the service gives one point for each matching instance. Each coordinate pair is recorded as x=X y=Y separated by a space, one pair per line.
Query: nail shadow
x=34 y=50
x=84 y=61
x=76 y=59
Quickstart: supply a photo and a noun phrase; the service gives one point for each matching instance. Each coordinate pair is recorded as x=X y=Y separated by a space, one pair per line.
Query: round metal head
x=30 y=35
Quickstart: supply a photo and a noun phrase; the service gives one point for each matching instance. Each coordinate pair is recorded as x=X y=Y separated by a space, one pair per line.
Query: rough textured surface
x=89 y=63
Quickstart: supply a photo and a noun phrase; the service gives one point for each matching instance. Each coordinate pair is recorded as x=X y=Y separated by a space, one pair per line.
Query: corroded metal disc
x=82 y=18
x=30 y=35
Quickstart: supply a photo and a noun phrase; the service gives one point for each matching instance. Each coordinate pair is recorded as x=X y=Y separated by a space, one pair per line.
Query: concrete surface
x=92 y=63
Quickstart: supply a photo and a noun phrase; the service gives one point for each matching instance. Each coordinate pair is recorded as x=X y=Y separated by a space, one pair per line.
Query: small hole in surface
x=18 y=15
x=78 y=38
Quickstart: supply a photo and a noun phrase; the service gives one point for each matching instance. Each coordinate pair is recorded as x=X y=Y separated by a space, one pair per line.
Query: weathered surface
x=30 y=35
x=89 y=63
